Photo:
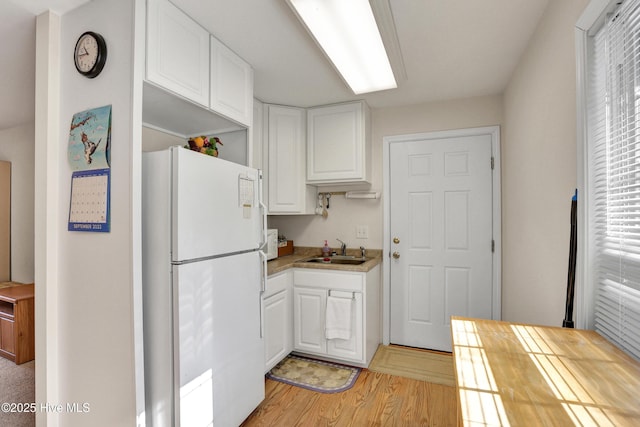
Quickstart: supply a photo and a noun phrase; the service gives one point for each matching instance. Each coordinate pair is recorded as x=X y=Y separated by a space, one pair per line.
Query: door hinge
x=493 y=246
x=493 y=163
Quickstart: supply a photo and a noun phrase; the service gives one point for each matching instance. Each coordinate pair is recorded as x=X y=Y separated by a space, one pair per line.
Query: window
x=613 y=176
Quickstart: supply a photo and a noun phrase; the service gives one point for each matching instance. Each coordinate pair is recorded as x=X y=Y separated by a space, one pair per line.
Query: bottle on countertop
x=326 y=250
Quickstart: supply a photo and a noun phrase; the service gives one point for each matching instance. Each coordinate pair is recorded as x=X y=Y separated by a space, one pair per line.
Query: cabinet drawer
x=338 y=280
x=277 y=283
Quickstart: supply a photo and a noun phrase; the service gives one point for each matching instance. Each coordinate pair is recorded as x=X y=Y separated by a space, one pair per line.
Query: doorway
x=442 y=233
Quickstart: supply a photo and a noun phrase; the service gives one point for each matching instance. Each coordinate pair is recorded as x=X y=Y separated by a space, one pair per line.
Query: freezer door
x=215 y=206
x=221 y=353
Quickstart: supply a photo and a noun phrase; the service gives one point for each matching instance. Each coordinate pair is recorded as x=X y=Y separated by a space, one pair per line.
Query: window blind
x=613 y=147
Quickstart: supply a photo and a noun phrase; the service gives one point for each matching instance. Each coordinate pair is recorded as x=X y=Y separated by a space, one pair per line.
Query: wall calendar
x=89 y=157
x=89 y=210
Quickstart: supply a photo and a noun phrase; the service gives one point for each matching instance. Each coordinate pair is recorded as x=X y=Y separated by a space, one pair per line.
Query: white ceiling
x=451 y=49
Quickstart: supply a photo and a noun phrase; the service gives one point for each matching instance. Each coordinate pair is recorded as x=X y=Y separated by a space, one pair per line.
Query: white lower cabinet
x=309 y=305
x=310 y=291
x=278 y=319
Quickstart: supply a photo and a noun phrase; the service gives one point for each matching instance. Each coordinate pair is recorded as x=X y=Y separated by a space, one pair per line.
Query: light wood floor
x=375 y=400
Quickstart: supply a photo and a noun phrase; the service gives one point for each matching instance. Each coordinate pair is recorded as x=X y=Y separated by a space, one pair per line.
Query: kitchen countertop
x=374 y=257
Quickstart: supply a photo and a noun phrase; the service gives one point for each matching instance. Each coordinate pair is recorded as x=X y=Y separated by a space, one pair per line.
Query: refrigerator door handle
x=263 y=234
x=263 y=279
x=263 y=288
x=263 y=211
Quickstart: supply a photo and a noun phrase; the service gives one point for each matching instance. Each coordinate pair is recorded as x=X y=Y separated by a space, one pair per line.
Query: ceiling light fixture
x=347 y=33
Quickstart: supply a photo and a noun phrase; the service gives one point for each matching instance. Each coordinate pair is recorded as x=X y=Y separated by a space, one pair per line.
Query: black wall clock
x=90 y=54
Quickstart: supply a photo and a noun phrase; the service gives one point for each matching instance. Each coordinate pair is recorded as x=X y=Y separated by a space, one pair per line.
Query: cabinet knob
x=396 y=255
x=396 y=240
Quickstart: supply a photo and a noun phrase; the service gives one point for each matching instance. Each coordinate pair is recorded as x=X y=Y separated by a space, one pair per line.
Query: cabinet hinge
x=493 y=163
x=493 y=246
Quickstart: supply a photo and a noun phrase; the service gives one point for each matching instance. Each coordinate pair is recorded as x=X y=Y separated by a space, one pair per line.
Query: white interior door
x=440 y=236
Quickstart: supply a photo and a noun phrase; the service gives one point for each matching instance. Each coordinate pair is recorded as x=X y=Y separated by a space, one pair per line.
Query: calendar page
x=89 y=208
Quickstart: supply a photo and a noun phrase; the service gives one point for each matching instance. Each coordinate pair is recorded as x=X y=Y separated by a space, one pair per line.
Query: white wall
x=17 y=146
x=539 y=170
x=95 y=270
x=154 y=140
x=346 y=214
x=234 y=144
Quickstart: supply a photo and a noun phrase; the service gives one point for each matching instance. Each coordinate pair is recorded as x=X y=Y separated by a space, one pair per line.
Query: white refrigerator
x=203 y=274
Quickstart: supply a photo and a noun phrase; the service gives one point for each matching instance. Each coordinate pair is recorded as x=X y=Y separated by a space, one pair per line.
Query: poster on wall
x=90 y=139
x=89 y=157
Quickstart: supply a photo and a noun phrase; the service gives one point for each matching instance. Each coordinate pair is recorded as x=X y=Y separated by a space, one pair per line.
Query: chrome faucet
x=362 y=251
x=343 y=247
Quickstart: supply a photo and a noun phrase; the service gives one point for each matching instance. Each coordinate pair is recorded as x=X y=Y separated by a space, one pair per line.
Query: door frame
x=494 y=132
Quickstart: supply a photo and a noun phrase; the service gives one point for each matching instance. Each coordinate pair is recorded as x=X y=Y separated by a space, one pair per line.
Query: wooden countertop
x=302 y=253
x=16 y=292
x=525 y=375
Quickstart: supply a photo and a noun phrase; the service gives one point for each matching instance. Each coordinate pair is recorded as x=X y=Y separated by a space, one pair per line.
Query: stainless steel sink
x=338 y=259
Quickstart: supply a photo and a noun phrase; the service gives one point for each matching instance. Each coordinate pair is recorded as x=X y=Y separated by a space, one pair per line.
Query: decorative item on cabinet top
x=204 y=144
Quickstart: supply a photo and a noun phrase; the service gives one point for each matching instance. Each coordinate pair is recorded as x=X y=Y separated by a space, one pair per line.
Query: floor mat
x=413 y=363
x=316 y=375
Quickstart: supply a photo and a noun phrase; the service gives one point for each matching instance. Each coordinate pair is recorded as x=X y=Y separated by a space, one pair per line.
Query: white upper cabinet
x=177 y=52
x=338 y=144
x=285 y=162
x=183 y=58
x=231 y=84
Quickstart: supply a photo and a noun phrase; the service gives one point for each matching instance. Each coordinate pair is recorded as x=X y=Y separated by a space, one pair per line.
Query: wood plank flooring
x=376 y=399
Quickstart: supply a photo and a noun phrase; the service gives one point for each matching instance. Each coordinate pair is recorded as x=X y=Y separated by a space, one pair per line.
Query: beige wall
x=17 y=147
x=86 y=279
x=346 y=214
x=539 y=170
x=537 y=115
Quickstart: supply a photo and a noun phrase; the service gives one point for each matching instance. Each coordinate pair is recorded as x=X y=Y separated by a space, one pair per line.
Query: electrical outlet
x=362 y=232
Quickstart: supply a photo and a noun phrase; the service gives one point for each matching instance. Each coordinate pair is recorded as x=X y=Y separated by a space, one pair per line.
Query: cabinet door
x=5 y=221
x=177 y=52
x=336 y=144
x=309 y=307
x=231 y=84
x=7 y=341
x=288 y=192
x=351 y=348
x=277 y=328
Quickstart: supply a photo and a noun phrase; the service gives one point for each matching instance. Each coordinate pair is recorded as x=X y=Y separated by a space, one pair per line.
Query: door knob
x=396 y=240
x=396 y=255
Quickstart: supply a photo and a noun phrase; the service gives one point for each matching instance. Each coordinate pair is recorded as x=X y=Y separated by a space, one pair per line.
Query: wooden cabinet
x=5 y=221
x=17 y=327
x=177 y=52
x=339 y=144
x=7 y=338
x=311 y=288
x=285 y=162
x=278 y=318
x=231 y=84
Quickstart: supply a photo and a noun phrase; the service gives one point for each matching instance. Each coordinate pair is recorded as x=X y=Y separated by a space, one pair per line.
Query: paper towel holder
x=362 y=195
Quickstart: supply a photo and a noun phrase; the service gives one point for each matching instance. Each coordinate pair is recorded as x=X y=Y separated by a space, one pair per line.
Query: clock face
x=90 y=54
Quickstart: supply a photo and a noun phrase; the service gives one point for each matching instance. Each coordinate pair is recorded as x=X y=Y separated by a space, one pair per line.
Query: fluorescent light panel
x=347 y=32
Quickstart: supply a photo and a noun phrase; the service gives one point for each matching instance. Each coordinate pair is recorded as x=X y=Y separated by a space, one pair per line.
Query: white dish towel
x=338 y=318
